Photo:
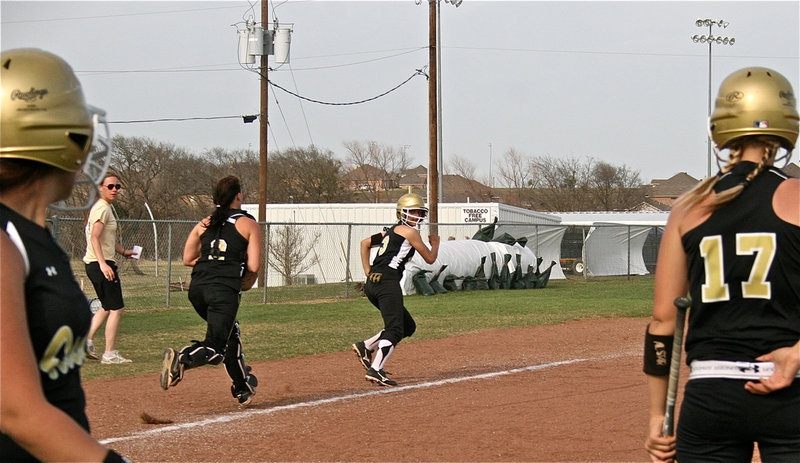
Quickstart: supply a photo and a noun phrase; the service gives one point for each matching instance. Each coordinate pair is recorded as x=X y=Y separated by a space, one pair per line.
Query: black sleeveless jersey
x=392 y=255
x=58 y=321
x=744 y=273
x=223 y=253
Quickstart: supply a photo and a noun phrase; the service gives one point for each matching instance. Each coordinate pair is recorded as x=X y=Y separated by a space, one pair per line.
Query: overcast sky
x=621 y=82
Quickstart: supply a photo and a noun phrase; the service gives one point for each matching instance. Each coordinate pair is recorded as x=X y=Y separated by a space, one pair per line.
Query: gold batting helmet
x=754 y=101
x=411 y=202
x=44 y=116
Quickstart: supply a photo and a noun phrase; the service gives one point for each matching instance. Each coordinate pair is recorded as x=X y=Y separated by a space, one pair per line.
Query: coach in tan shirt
x=101 y=245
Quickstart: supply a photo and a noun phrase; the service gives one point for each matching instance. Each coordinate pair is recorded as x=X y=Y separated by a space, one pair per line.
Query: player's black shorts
x=387 y=296
x=217 y=304
x=720 y=420
x=109 y=292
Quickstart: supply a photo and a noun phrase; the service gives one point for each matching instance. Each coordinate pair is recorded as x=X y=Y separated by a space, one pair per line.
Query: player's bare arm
x=248 y=228
x=785 y=201
x=367 y=244
x=412 y=235
x=786 y=359
x=191 y=250
x=27 y=415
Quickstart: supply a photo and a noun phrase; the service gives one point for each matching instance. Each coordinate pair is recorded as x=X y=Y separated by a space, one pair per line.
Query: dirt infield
x=567 y=392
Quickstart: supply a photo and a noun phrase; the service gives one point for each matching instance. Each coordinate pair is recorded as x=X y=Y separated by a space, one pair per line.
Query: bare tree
x=562 y=184
x=462 y=173
x=615 y=188
x=305 y=175
x=289 y=252
x=516 y=170
x=462 y=166
x=243 y=163
x=166 y=177
x=370 y=159
x=573 y=184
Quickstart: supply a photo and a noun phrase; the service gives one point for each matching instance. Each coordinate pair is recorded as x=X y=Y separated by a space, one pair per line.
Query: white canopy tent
x=614 y=242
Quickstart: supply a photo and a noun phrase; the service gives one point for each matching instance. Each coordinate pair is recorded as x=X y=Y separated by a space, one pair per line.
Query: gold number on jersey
x=714 y=289
x=384 y=245
x=223 y=247
x=763 y=245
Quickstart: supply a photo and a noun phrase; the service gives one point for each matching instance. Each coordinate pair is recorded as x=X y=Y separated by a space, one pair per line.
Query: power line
x=184 y=69
x=145 y=71
x=182 y=119
x=283 y=116
x=526 y=50
x=359 y=62
x=416 y=73
x=302 y=109
x=77 y=18
x=622 y=53
x=179 y=119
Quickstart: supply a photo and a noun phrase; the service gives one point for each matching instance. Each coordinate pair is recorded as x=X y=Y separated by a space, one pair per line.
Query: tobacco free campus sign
x=475 y=215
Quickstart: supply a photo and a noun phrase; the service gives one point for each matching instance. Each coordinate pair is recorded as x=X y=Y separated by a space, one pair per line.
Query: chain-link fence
x=305 y=261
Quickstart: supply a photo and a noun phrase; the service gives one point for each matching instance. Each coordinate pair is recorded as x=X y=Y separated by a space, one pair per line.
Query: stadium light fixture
x=711 y=39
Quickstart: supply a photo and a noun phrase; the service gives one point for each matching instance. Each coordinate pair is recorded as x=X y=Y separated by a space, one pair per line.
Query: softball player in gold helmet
x=396 y=245
x=46 y=133
x=733 y=244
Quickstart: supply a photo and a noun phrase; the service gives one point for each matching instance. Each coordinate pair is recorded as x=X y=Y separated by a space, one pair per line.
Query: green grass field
x=285 y=330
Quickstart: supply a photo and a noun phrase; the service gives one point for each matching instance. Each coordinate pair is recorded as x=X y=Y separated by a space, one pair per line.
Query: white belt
x=703 y=369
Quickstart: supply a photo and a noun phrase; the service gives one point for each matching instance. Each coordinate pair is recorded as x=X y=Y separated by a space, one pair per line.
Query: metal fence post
x=54 y=228
x=266 y=265
x=169 y=258
x=347 y=262
x=629 y=252
x=583 y=254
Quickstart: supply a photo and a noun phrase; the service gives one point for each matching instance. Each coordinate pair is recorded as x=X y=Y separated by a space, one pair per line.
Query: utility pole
x=261 y=41
x=433 y=123
x=263 y=122
x=434 y=113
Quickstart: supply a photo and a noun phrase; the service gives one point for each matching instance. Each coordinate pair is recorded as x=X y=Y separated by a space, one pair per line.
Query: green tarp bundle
x=437 y=287
x=421 y=283
x=486 y=233
x=494 y=277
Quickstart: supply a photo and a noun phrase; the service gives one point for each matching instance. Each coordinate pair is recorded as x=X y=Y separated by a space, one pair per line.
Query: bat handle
x=682 y=304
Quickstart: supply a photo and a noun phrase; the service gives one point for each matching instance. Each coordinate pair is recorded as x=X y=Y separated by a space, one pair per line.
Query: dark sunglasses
x=111 y=186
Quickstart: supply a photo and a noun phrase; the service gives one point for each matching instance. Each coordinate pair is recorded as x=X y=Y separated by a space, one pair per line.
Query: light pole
x=711 y=39
x=491 y=182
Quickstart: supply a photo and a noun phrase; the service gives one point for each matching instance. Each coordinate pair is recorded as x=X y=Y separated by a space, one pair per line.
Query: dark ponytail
x=224 y=193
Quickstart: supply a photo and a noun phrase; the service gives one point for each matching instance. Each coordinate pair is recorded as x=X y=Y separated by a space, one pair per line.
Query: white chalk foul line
x=247 y=413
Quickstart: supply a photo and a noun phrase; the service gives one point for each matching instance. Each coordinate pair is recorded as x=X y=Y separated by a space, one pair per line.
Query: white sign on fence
x=475 y=215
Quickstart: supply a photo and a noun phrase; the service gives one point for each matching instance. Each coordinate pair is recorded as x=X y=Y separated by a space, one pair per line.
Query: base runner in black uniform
x=225 y=251
x=397 y=245
x=45 y=139
x=733 y=244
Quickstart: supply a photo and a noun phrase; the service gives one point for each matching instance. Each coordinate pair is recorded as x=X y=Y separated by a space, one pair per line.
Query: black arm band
x=114 y=457
x=657 y=353
x=376 y=239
